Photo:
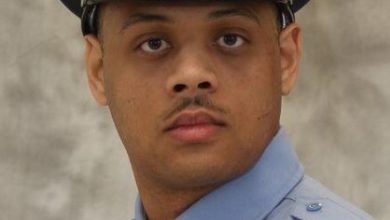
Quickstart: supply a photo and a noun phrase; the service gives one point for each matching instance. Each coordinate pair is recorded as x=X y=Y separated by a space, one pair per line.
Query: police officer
x=195 y=90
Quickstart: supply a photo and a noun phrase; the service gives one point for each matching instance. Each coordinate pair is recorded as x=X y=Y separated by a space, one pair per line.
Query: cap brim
x=74 y=5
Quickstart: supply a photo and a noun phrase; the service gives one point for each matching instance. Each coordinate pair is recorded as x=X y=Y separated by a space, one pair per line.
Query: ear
x=290 y=54
x=94 y=65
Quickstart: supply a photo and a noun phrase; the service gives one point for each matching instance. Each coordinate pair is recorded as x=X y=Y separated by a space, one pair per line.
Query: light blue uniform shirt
x=274 y=189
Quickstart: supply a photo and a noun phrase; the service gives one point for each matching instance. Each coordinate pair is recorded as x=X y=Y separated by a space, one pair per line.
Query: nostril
x=204 y=85
x=179 y=87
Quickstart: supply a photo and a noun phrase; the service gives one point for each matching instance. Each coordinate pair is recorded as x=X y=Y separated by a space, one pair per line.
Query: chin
x=206 y=171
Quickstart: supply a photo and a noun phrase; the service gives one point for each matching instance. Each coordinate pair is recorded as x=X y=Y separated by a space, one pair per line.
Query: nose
x=192 y=75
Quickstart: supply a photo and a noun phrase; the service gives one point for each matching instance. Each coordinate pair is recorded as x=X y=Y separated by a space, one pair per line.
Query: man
x=195 y=90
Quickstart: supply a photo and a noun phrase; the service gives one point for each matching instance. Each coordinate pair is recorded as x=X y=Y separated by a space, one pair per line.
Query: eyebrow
x=149 y=18
x=248 y=13
x=144 y=18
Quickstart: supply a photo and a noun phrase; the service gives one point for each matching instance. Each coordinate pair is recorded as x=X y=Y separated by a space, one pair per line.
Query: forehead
x=125 y=14
x=184 y=2
x=158 y=3
x=127 y=7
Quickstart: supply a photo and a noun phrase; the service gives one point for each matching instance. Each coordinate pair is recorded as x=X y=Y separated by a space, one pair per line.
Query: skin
x=244 y=82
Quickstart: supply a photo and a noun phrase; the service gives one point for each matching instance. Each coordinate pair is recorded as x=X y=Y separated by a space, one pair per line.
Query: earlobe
x=290 y=56
x=94 y=65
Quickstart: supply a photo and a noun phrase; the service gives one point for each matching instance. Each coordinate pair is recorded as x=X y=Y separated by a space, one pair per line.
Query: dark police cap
x=75 y=5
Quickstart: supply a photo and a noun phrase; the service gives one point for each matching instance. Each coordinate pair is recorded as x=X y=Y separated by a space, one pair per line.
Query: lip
x=195 y=127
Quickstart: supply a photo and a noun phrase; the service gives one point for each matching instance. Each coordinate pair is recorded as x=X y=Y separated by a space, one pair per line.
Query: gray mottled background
x=60 y=156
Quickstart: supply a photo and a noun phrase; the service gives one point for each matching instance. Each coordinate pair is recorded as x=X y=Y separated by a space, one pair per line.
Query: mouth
x=195 y=127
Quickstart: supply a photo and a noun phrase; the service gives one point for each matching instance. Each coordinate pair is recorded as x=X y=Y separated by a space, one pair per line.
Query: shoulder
x=310 y=200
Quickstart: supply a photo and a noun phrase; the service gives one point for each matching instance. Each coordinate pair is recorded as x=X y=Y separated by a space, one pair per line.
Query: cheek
x=255 y=75
x=254 y=91
x=134 y=104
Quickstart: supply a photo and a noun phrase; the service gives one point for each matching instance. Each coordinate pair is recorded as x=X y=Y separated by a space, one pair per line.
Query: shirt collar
x=253 y=195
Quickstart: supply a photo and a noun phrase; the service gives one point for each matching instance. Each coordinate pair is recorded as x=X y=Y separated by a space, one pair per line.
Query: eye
x=230 y=41
x=154 y=45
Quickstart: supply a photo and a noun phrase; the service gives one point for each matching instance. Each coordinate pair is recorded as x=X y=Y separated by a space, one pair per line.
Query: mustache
x=197 y=101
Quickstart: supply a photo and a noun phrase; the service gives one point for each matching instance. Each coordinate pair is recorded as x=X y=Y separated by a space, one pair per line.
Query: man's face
x=194 y=90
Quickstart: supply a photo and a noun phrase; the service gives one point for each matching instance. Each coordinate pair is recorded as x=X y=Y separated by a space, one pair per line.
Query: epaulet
x=314 y=202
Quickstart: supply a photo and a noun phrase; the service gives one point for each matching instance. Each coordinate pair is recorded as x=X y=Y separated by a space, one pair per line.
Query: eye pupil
x=155 y=43
x=230 y=39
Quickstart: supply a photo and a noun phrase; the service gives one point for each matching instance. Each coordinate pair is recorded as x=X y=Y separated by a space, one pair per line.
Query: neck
x=166 y=204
